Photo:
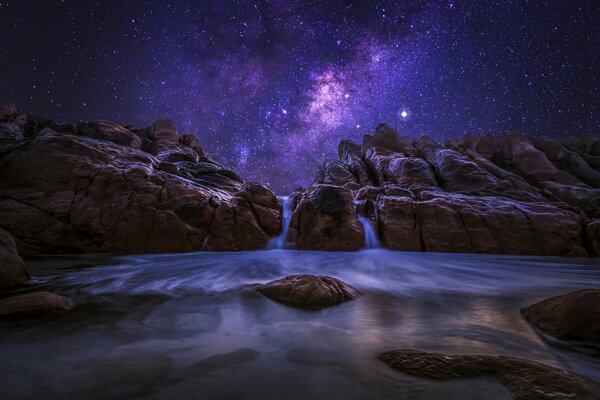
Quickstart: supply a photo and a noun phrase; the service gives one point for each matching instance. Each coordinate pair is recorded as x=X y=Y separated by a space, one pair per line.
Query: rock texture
x=491 y=194
x=325 y=218
x=101 y=186
x=573 y=316
x=308 y=290
x=36 y=304
x=12 y=267
x=526 y=380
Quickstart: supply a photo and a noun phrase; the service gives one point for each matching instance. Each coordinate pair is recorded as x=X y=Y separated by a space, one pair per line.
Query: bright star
x=404 y=114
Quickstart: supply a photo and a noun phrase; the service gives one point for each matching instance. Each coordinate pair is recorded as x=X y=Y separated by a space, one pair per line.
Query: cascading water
x=371 y=240
x=279 y=241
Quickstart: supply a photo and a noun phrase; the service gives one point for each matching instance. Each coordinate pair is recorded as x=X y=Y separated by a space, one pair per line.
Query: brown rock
x=66 y=193
x=109 y=131
x=12 y=267
x=592 y=232
x=36 y=304
x=573 y=316
x=450 y=222
x=526 y=380
x=325 y=219
x=308 y=290
x=164 y=129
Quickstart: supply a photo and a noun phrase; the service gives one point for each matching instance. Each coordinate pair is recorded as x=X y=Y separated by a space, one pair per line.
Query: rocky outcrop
x=308 y=291
x=450 y=222
x=526 y=380
x=490 y=194
x=12 y=267
x=101 y=186
x=36 y=304
x=325 y=218
x=572 y=317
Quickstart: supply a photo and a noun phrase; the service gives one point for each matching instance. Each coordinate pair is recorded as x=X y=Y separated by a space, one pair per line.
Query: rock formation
x=36 y=304
x=101 y=186
x=494 y=194
x=526 y=380
x=573 y=316
x=12 y=267
x=308 y=291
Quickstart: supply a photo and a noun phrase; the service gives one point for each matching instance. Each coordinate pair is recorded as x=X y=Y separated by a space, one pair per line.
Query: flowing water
x=371 y=241
x=279 y=241
x=184 y=326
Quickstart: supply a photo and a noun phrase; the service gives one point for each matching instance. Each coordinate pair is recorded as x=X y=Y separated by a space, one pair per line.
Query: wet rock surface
x=572 y=316
x=491 y=194
x=101 y=186
x=526 y=380
x=308 y=291
x=32 y=305
x=12 y=267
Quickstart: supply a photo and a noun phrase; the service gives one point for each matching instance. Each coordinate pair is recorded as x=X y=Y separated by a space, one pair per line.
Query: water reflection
x=159 y=315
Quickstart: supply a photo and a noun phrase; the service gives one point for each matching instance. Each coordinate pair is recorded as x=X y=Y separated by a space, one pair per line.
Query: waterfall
x=371 y=241
x=279 y=241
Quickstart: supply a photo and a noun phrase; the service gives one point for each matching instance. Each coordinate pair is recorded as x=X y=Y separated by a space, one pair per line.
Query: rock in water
x=526 y=380
x=573 y=316
x=308 y=290
x=36 y=304
x=12 y=267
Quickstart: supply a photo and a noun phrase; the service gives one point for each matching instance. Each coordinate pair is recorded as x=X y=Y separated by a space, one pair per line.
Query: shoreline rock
x=12 y=267
x=526 y=380
x=33 y=305
x=573 y=316
x=104 y=187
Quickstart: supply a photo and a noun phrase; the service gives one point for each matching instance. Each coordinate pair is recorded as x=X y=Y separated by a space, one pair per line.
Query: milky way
x=271 y=87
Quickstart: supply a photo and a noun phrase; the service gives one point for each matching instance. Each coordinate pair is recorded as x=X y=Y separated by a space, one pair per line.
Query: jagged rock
x=325 y=219
x=350 y=154
x=308 y=290
x=31 y=305
x=586 y=144
x=388 y=138
x=592 y=233
x=12 y=267
x=335 y=173
x=451 y=222
x=569 y=161
x=526 y=380
x=111 y=132
x=60 y=192
x=573 y=316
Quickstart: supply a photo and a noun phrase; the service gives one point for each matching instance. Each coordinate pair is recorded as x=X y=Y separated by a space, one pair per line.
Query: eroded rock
x=12 y=267
x=526 y=380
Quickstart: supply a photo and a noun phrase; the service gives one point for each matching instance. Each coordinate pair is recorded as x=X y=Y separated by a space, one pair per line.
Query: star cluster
x=270 y=87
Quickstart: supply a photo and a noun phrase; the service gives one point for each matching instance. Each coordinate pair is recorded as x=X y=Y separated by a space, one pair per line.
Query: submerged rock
x=308 y=290
x=220 y=361
x=526 y=380
x=573 y=316
x=31 y=305
x=12 y=267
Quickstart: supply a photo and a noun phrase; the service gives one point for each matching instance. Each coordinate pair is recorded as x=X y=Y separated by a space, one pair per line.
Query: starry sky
x=271 y=86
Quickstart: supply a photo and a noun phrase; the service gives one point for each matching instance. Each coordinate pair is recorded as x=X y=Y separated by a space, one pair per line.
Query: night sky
x=270 y=87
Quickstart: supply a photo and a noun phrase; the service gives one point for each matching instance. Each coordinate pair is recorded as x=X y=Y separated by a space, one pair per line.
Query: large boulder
x=450 y=222
x=61 y=192
x=12 y=267
x=526 y=380
x=573 y=316
x=308 y=290
x=325 y=219
x=36 y=304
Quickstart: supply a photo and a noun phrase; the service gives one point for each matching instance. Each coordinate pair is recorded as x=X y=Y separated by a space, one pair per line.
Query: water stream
x=279 y=241
x=147 y=326
x=371 y=240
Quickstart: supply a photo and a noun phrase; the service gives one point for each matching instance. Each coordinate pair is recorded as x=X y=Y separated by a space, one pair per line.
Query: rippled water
x=145 y=325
